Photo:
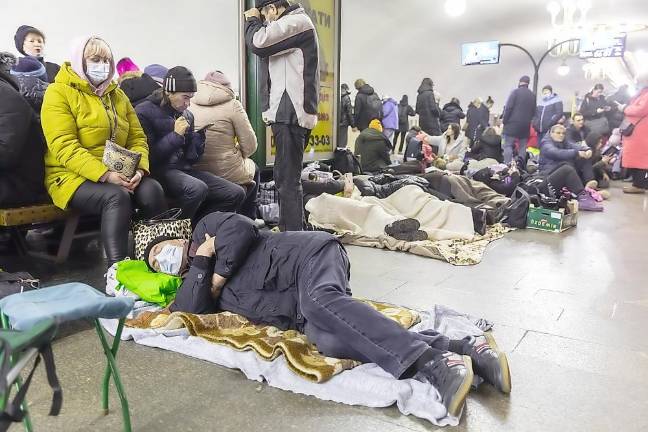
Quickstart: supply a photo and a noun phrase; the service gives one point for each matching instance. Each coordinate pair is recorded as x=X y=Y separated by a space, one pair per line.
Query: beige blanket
x=368 y=216
x=269 y=342
x=361 y=221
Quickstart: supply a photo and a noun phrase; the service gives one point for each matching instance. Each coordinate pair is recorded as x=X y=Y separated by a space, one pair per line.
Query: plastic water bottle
x=311 y=153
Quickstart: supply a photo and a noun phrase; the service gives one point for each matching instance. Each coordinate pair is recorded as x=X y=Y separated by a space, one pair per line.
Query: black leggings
x=115 y=205
x=402 y=141
x=564 y=176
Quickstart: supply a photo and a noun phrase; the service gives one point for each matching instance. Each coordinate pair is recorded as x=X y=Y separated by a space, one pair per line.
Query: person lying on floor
x=300 y=281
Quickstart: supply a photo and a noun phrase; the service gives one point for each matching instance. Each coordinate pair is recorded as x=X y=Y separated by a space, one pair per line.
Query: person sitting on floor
x=555 y=150
x=176 y=147
x=373 y=148
x=487 y=146
x=452 y=145
x=300 y=281
x=601 y=163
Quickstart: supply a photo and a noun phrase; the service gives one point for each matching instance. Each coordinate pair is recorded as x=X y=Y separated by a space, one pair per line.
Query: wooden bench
x=18 y=219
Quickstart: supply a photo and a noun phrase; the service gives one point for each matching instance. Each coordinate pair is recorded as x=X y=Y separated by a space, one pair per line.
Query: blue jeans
x=508 y=145
x=344 y=327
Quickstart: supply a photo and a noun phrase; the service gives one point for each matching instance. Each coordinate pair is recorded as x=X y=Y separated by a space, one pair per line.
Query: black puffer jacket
x=405 y=111
x=477 y=121
x=518 y=113
x=427 y=109
x=167 y=149
x=346 y=110
x=368 y=106
x=373 y=148
x=451 y=113
x=137 y=86
x=591 y=104
x=262 y=270
x=22 y=149
x=487 y=146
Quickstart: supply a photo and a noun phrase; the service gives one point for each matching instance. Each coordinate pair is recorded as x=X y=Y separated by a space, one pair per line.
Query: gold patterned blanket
x=268 y=342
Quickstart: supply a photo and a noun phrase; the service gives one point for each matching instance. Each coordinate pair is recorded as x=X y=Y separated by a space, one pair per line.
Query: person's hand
x=135 y=181
x=606 y=177
x=116 y=179
x=181 y=125
x=606 y=159
x=250 y=13
x=217 y=284
x=585 y=154
x=207 y=248
x=600 y=110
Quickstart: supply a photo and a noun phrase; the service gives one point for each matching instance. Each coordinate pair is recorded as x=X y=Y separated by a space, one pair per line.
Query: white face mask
x=97 y=72
x=170 y=259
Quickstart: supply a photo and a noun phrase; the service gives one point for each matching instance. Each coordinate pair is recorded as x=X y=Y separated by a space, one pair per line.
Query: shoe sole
x=459 y=398
x=503 y=363
x=404 y=225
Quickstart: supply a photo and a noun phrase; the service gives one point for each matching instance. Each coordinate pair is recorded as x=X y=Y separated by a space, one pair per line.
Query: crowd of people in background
x=534 y=138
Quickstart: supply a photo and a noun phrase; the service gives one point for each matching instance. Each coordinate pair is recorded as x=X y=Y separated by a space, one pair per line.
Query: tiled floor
x=571 y=311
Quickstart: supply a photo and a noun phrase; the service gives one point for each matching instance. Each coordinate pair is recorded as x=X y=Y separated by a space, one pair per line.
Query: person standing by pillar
x=288 y=46
x=346 y=116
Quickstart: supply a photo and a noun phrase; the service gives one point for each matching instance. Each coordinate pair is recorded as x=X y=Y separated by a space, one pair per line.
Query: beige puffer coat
x=230 y=140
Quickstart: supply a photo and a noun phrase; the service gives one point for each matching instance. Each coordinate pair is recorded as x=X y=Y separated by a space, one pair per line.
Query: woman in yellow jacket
x=81 y=110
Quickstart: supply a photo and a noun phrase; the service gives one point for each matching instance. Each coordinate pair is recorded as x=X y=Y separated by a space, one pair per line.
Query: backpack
x=414 y=150
x=375 y=105
x=346 y=162
x=515 y=214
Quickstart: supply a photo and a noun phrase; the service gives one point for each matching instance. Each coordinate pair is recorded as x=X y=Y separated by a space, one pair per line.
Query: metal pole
x=241 y=54
x=536 y=65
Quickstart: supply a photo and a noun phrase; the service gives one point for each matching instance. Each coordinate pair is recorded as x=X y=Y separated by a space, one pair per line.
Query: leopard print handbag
x=166 y=224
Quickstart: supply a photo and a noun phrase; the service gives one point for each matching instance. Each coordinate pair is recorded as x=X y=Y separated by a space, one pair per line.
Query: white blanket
x=368 y=216
x=366 y=385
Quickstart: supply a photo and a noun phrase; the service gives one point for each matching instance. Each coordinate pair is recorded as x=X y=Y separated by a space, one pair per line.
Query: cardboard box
x=553 y=220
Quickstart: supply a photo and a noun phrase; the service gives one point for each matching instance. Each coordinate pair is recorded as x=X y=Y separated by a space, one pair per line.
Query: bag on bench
x=13 y=283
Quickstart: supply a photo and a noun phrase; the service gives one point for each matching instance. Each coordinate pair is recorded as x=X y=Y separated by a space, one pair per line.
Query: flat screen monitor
x=479 y=53
x=602 y=45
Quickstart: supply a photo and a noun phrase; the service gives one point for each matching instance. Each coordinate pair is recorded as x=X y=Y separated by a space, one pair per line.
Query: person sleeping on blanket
x=300 y=281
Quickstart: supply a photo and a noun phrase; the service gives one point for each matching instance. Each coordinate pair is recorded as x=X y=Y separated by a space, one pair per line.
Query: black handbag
x=627 y=127
x=14 y=283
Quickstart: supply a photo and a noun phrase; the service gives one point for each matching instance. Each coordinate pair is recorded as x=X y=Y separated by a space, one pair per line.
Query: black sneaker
x=490 y=363
x=404 y=225
x=410 y=236
x=452 y=376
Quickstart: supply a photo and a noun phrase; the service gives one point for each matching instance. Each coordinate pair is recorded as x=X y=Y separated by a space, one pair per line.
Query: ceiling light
x=563 y=69
x=455 y=8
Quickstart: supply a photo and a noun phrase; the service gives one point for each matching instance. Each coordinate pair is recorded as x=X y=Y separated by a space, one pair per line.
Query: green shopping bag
x=152 y=287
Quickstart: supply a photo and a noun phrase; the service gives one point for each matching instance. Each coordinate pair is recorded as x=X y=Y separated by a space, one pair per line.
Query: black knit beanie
x=180 y=79
x=22 y=33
